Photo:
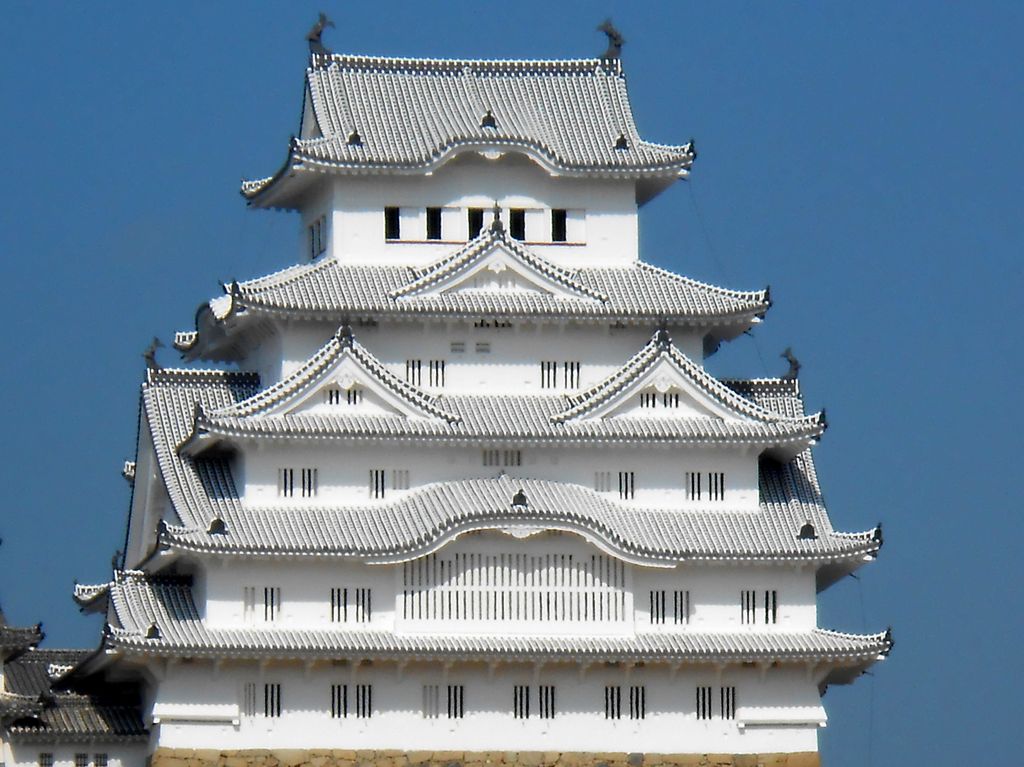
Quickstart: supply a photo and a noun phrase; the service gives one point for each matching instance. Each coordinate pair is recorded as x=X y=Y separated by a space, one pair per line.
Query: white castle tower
x=469 y=494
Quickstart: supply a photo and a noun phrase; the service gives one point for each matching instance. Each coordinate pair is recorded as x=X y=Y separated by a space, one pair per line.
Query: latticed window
x=514 y=587
x=637 y=702
x=414 y=372
x=546 y=701
x=45 y=759
x=727 y=700
x=665 y=604
x=364 y=701
x=612 y=702
x=704 y=700
x=437 y=373
x=627 y=485
x=521 y=701
x=456 y=701
x=272 y=700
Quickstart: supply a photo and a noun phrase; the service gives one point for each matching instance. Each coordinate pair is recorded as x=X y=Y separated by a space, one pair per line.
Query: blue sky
x=864 y=159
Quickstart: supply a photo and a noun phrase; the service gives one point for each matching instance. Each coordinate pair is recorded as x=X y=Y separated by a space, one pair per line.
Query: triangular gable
x=342 y=365
x=657 y=370
x=494 y=262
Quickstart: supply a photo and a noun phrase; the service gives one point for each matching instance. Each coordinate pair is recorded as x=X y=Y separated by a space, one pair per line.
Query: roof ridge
x=699 y=283
x=363 y=62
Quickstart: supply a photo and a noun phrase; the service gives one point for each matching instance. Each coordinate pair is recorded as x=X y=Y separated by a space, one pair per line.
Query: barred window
x=81 y=760
x=414 y=372
x=603 y=481
x=546 y=701
x=571 y=374
x=456 y=701
x=377 y=483
x=496 y=457
x=307 y=487
x=358 y=704
x=317 y=237
x=612 y=702
x=364 y=701
x=704 y=703
x=45 y=759
x=727 y=699
x=358 y=610
x=637 y=702
x=249 y=699
x=268 y=610
x=399 y=479
x=771 y=606
x=437 y=373
x=339 y=701
x=748 y=607
x=272 y=700
x=548 y=374
x=661 y=608
x=627 y=485
x=521 y=701
x=705 y=486
x=99 y=760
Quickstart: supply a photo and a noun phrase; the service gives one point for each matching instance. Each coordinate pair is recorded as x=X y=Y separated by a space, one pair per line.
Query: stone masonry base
x=165 y=757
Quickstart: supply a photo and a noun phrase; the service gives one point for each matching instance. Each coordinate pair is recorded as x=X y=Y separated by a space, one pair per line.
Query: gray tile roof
x=97 y=712
x=524 y=419
x=386 y=115
x=16 y=639
x=333 y=291
x=157 y=616
x=202 y=489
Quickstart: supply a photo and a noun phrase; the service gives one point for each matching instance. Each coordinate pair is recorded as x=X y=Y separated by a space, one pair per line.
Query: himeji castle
x=454 y=487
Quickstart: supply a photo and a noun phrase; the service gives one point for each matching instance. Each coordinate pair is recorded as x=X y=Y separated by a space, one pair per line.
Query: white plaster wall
x=306 y=584
x=343 y=471
x=118 y=755
x=608 y=236
x=785 y=697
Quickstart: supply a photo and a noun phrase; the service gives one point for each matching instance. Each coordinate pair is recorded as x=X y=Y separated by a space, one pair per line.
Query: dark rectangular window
x=476 y=221
x=521 y=701
x=392 y=224
x=81 y=760
x=433 y=223
x=456 y=701
x=414 y=372
x=771 y=607
x=517 y=223
x=558 y=228
x=627 y=485
x=272 y=700
x=703 y=702
x=748 y=607
x=339 y=701
x=657 y=614
x=638 y=702
x=46 y=759
x=727 y=696
x=612 y=702
x=546 y=696
x=364 y=701
x=99 y=760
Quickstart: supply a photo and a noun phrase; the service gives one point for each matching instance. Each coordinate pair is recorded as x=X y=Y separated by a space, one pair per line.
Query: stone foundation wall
x=186 y=758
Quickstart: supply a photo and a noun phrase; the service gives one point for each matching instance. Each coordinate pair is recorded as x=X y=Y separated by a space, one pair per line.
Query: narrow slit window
x=433 y=223
x=414 y=372
x=546 y=701
x=521 y=701
x=637 y=702
x=392 y=223
x=559 y=217
x=310 y=483
x=657 y=607
x=548 y=374
x=456 y=701
x=748 y=607
x=612 y=702
x=364 y=701
x=339 y=605
x=517 y=224
x=286 y=483
x=377 y=483
x=437 y=373
x=704 y=711
x=727 y=702
x=771 y=606
x=571 y=374
x=475 y=218
x=627 y=485
x=272 y=700
x=681 y=607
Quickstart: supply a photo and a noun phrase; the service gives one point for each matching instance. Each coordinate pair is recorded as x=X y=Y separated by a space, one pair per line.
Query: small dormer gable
x=662 y=382
x=495 y=263
x=341 y=380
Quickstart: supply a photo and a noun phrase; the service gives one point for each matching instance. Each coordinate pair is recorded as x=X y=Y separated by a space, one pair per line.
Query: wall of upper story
x=477 y=359
x=502 y=564
x=776 y=712
x=602 y=220
x=117 y=754
x=150 y=501
x=343 y=472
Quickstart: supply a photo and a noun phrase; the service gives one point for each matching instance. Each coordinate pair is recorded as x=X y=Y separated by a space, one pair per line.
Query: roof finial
x=497 y=227
x=313 y=38
x=794 y=365
x=150 y=354
x=519 y=500
x=345 y=336
x=615 y=40
x=662 y=337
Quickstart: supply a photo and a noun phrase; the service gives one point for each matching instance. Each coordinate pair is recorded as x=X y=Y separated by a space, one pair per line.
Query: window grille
x=433 y=223
x=693 y=486
x=496 y=457
x=521 y=701
x=271 y=607
x=309 y=483
x=657 y=600
x=286 y=483
x=339 y=605
x=456 y=701
x=727 y=700
x=670 y=399
x=364 y=605
x=637 y=702
x=437 y=373
x=475 y=218
x=603 y=481
x=392 y=223
x=612 y=702
x=716 y=486
x=571 y=374
x=771 y=606
x=272 y=700
x=377 y=483
x=431 y=701
x=339 y=701
x=317 y=237
x=45 y=759
x=648 y=399
x=514 y=587
x=364 y=701
x=81 y=760
x=627 y=485
x=271 y=603
x=548 y=374
x=704 y=703
x=249 y=699
x=399 y=479
x=414 y=371
x=681 y=607
x=546 y=701
x=748 y=607
x=99 y=760
x=333 y=396
x=558 y=225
